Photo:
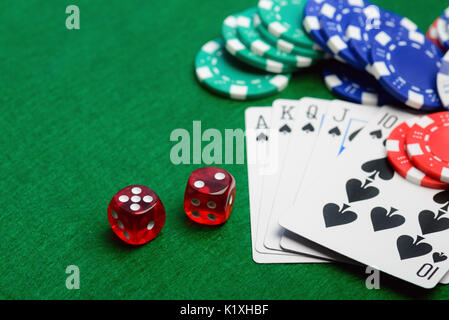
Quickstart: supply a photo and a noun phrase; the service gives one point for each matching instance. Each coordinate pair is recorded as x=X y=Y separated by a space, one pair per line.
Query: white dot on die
x=134 y=207
x=196 y=214
x=219 y=176
x=150 y=225
x=123 y=198
x=211 y=217
x=147 y=199
x=126 y=234
x=199 y=184
x=114 y=214
x=230 y=200
x=211 y=204
x=136 y=190
x=135 y=198
x=120 y=224
x=195 y=202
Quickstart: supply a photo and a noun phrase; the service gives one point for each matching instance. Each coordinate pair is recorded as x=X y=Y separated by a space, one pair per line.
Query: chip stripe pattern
x=224 y=75
x=427 y=143
x=400 y=161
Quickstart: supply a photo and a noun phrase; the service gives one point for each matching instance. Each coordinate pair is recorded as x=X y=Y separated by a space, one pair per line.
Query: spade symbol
x=383 y=220
x=429 y=223
x=409 y=248
x=262 y=137
x=358 y=192
x=335 y=132
x=354 y=134
x=333 y=216
x=308 y=128
x=285 y=129
x=442 y=198
x=377 y=134
x=379 y=166
x=438 y=257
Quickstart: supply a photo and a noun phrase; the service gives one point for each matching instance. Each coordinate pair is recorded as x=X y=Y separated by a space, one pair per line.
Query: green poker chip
x=252 y=39
x=283 y=19
x=315 y=53
x=221 y=73
x=236 y=48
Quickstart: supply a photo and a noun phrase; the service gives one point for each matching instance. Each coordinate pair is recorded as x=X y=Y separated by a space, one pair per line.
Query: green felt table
x=87 y=112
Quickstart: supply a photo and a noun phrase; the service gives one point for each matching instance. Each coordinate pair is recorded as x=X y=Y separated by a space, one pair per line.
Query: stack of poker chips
x=368 y=55
x=417 y=149
x=258 y=51
x=438 y=33
x=379 y=57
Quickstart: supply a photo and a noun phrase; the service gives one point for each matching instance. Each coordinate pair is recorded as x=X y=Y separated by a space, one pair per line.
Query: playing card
x=359 y=207
x=445 y=279
x=340 y=126
x=285 y=116
x=283 y=120
x=258 y=133
x=307 y=117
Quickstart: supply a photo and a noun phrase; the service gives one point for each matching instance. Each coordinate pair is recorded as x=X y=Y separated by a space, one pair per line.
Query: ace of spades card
x=359 y=207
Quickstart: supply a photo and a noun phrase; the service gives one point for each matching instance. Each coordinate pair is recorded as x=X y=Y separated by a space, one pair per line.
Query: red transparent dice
x=136 y=214
x=209 y=195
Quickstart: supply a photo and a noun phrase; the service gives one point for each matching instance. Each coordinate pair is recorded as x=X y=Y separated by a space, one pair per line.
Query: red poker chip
x=427 y=145
x=400 y=161
x=432 y=34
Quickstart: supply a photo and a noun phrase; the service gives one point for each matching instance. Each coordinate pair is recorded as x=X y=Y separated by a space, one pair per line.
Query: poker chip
x=427 y=145
x=432 y=34
x=443 y=81
x=400 y=161
x=442 y=29
x=314 y=53
x=312 y=25
x=407 y=70
x=223 y=74
x=283 y=36
x=236 y=48
x=445 y=16
x=364 y=27
x=354 y=85
x=252 y=39
x=282 y=20
x=335 y=17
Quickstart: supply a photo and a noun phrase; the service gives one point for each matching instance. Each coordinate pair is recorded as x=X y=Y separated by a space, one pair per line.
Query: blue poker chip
x=354 y=85
x=408 y=70
x=335 y=17
x=365 y=26
x=443 y=81
x=311 y=23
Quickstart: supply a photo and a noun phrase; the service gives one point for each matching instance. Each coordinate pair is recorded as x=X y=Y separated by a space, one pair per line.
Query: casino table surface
x=87 y=112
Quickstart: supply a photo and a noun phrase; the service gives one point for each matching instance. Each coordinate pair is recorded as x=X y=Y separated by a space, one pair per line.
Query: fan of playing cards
x=335 y=181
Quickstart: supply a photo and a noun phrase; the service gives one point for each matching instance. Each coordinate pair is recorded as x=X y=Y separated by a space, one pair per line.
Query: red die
x=209 y=195
x=136 y=214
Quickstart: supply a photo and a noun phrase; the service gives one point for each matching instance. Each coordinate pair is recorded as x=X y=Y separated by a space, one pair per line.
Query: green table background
x=87 y=112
